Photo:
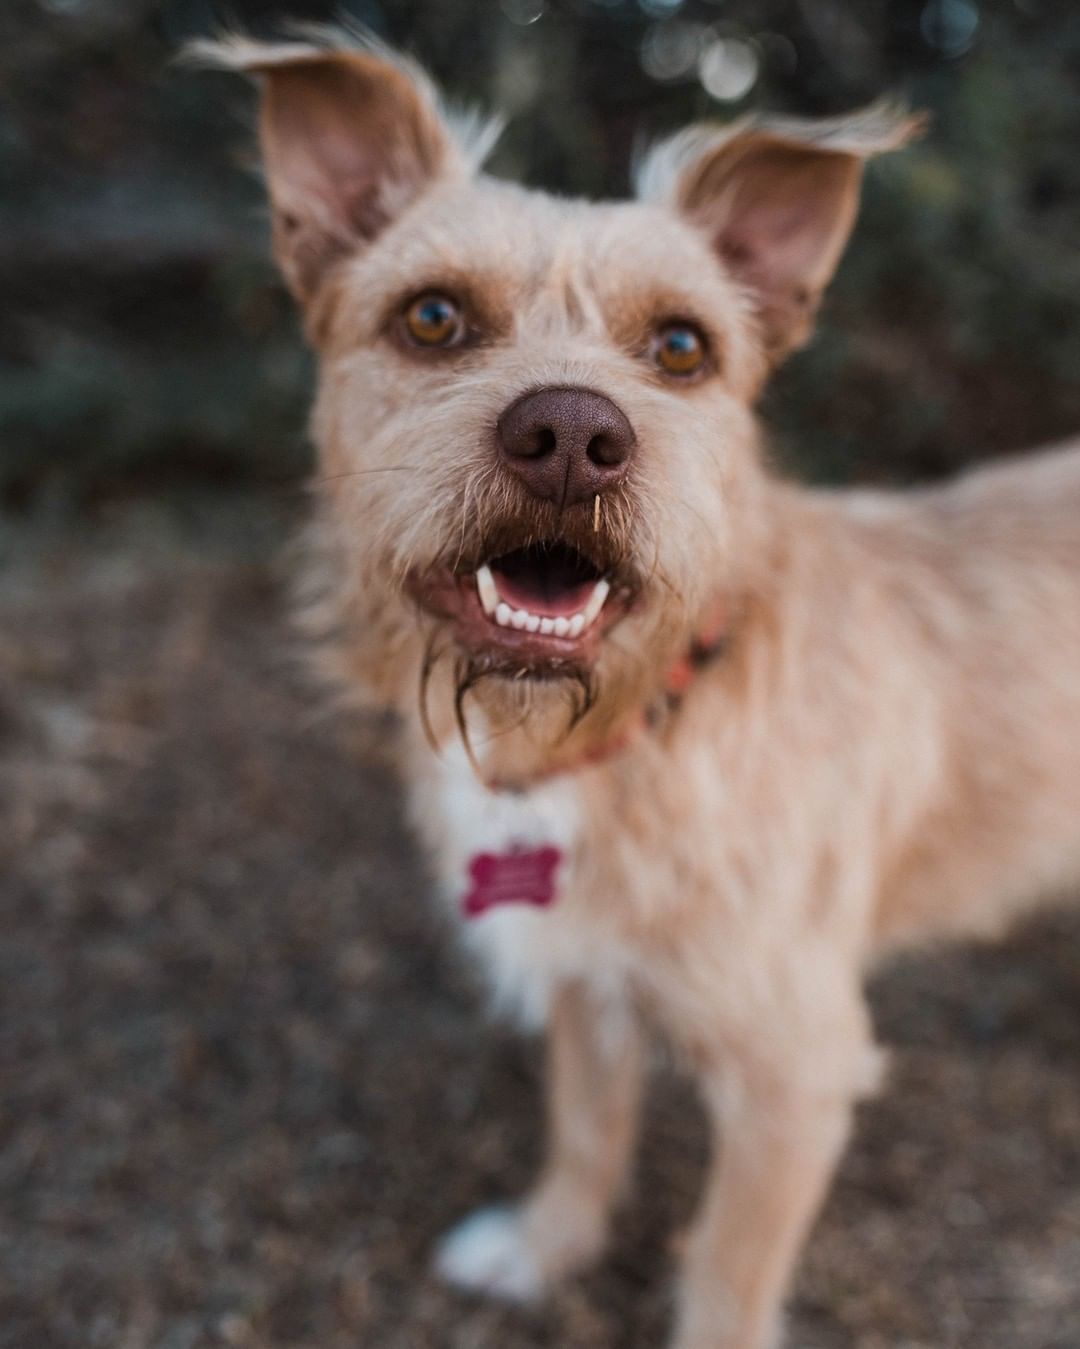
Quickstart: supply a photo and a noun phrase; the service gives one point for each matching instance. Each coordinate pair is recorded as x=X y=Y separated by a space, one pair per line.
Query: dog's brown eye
x=679 y=349
x=434 y=321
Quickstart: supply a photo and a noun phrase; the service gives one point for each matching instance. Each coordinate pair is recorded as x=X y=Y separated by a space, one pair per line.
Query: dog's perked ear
x=349 y=137
x=778 y=201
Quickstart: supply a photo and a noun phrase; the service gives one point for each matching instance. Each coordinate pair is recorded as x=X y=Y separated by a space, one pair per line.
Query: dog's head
x=534 y=415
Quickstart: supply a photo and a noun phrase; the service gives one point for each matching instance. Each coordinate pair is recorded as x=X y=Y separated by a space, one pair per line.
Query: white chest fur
x=522 y=948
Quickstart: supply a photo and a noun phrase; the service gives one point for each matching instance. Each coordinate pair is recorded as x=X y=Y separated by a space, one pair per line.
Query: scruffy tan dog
x=692 y=747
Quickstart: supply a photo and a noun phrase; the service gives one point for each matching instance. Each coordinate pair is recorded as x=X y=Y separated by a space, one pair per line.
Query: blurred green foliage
x=144 y=336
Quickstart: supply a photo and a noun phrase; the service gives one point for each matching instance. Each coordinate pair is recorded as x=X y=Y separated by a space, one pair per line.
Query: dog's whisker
x=431 y=657
x=469 y=487
x=326 y=479
x=580 y=706
x=465 y=682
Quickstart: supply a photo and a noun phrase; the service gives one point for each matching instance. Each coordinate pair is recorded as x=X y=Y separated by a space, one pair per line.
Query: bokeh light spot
x=728 y=69
x=949 y=25
x=671 y=50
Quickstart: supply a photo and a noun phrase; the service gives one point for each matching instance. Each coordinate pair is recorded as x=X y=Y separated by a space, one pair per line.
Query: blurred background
x=145 y=338
x=242 y=1084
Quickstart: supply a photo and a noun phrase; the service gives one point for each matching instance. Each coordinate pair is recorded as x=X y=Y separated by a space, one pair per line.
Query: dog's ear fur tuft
x=350 y=136
x=778 y=200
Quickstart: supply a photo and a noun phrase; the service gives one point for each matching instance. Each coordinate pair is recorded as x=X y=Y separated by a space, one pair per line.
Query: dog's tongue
x=545 y=600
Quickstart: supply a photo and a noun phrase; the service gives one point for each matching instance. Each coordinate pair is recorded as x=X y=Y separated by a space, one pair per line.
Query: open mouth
x=549 y=589
x=535 y=608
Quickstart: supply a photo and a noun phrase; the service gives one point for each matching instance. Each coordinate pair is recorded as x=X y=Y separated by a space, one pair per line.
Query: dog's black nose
x=566 y=445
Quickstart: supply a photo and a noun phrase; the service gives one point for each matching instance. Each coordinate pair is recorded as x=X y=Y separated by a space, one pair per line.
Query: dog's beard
x=544 y=714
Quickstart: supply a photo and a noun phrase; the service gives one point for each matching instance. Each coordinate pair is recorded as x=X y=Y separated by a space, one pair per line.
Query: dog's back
x=984 y=575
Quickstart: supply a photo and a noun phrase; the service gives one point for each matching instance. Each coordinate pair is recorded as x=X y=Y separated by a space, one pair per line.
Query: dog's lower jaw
x=521 y=730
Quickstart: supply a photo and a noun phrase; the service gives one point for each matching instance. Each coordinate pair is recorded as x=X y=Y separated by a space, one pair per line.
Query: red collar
x=708 y=644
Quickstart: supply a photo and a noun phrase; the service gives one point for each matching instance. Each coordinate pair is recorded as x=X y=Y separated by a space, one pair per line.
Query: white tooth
x=596 y=601
x=576 y=625
x=562 y=626
x=519 y=618
x=533 y=624
x=485 y=588
x=547 y=626
x=503 y=614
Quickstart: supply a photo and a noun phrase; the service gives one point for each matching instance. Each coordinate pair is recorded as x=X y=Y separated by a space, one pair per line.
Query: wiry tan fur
x=888 y=752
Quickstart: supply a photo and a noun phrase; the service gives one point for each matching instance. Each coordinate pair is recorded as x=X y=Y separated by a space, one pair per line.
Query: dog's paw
x=488 y=1253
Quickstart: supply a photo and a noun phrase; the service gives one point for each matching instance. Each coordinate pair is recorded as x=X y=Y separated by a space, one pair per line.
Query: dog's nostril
x=603 y=453
x=546 y=440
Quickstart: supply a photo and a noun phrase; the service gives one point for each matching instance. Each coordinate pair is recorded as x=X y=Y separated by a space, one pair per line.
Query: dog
x=692 y=748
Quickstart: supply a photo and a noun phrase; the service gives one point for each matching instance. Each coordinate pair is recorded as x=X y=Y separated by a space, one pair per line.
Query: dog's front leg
x=775 y=1148
x=594 y=1083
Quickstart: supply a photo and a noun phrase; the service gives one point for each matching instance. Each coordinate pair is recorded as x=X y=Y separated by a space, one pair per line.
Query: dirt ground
x=243 y=1086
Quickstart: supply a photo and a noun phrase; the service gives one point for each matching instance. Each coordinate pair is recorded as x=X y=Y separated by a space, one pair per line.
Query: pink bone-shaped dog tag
x=522 y=876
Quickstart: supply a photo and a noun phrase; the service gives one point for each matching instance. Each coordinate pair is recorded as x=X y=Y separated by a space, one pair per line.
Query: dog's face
x=534 y=415
x=545 y=405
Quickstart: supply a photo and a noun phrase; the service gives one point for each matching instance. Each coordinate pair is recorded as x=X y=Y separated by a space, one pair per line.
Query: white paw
x=487 y=1253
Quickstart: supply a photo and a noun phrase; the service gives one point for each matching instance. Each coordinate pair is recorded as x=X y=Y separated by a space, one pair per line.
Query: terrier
x=691 y=747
